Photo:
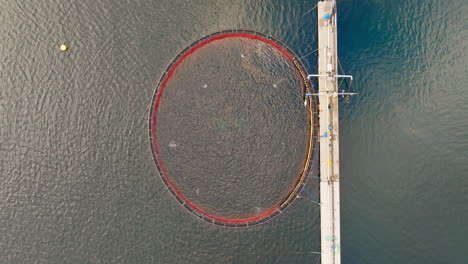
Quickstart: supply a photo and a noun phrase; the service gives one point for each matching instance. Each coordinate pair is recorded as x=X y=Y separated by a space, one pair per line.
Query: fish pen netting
x=229 y=132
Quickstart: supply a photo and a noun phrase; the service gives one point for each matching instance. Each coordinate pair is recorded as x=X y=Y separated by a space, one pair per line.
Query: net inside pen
x=229 y=132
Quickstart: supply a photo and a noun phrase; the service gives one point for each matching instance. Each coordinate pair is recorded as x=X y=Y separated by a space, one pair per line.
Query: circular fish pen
x=205 y=125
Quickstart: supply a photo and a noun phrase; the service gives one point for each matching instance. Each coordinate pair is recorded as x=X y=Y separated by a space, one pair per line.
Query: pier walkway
x=329 y=133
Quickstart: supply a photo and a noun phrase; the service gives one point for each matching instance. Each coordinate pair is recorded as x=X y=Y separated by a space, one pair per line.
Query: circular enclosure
x=229 y=131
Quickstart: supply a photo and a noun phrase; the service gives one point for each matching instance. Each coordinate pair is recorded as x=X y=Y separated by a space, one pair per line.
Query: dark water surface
x=77 y=181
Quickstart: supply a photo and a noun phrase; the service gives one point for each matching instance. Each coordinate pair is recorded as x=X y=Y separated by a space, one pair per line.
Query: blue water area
x=78 y=183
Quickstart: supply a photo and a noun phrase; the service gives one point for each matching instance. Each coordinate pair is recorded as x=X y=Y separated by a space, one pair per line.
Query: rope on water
x=287 y=253
x=308 y=54
x=348 y=87
x=303 y=15
x=314 y=199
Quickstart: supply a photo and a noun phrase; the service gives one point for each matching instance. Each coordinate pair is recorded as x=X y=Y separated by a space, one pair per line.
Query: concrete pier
x=329 y=133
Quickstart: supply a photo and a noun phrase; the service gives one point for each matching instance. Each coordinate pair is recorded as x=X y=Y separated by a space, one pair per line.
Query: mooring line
x=315 y=199
x=303 y=15
x=308 y=54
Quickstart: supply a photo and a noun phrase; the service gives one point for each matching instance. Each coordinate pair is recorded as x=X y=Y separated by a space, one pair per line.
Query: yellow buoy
x=63 y=47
